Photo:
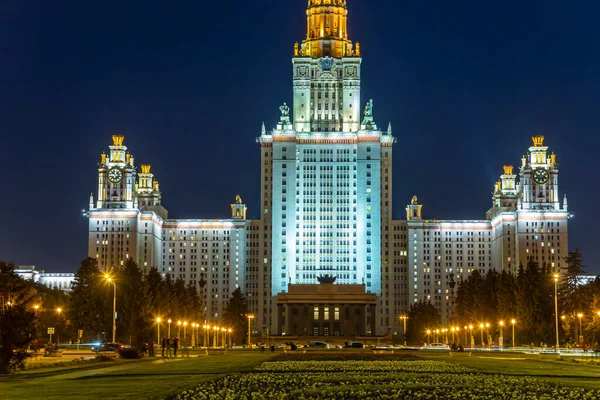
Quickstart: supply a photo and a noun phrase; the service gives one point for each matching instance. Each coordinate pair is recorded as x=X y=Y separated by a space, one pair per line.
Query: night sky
x=465 y=83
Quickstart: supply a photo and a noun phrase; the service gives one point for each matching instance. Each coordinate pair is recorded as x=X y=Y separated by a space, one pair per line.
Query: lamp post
x=229 y=336
x=158 y=331
x=114 y=329
x=169 y=328
x=471 y=335
x=179 y=328
x=487 y=334
x=215 y=336
x=501 y=341
x=513 y=321
x=204 y=339
x=404 y=318
x=223 y=336
x=466 y=327
x=250 y=317
x=185 y=330
x=580 y=315
x=481 y=326
x=556 y=276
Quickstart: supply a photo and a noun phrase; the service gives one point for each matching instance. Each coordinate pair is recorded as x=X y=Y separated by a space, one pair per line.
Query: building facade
x=54 y=280
x=326 y=208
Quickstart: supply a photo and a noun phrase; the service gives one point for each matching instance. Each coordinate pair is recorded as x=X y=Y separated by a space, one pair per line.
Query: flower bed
x=420 y=366
x=377 y=380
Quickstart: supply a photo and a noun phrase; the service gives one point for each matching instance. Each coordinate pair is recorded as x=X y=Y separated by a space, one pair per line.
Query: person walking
x=175 y=345
x=151 y=348
x=163 y=345
x=168 y=347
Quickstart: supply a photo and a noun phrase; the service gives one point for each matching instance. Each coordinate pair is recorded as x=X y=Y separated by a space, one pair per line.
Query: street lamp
x=229 y=336
x=169 y=328
x=223 y=338
x=404 y=318
x=204 y=338
x=250 y=316
x=487 y=334
x=501 y=341
x=158 y=331
x=580 y=315
x=471 y=335
x=215 y=336
x=179 y=328
x=114 y=330
x=512 y=321
x=556 y=276
x=481 y=326
x=185 y=330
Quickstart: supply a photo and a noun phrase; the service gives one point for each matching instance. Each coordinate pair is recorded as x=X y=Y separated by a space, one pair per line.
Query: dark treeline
x=528 y=298
x=27 y=310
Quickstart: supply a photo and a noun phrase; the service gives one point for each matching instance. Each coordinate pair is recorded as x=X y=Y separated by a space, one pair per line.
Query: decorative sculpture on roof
x=238 y=199
x=369 y=109
x=415 y=200
x=326 y=279
x=285 y=110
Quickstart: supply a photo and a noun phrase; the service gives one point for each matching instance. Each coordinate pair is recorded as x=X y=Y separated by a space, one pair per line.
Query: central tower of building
x=326 y=174
x=326 y=72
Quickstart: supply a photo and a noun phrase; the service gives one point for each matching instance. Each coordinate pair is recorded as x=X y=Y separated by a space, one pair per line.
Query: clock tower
x=116 y=177
x=539 y=178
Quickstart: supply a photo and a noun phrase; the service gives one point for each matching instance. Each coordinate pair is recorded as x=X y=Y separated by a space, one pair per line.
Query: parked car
x=108 y=348
x=318 y=345
x=436 y=346
x=353 y=345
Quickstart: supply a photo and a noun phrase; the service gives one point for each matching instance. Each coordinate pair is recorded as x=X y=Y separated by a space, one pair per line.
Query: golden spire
x=538 y=141
x=508 y=170
x=553 y=159
x=102 y=158
x=146 y=168
x=118 y=140
x=326 y=30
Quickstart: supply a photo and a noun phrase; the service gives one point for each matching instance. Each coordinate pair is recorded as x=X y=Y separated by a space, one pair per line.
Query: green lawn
x=156 y=379
x=159 y=378
x=564 y=372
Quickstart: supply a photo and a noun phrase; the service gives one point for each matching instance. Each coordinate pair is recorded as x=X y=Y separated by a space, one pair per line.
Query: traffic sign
x=50 y=331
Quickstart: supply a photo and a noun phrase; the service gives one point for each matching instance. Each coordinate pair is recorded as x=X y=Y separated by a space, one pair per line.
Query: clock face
x=540 y=176
x=115 y=175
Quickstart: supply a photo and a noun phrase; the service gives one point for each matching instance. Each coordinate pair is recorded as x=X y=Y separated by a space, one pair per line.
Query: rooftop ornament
x=326 y=279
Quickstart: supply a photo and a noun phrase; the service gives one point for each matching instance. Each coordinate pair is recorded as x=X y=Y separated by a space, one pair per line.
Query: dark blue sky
x=465 y=85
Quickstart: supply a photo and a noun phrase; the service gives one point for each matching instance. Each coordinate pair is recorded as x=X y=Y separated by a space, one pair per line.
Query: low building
x=326 y=309
x=60 y=281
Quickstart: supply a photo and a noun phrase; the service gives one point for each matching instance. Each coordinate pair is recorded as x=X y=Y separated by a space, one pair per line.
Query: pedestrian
x=163 y=345
x=151 y=348
x=168 y=347
x=175 y=345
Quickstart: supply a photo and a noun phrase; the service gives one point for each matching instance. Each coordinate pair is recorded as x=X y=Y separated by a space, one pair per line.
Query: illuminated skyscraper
x=327 y=173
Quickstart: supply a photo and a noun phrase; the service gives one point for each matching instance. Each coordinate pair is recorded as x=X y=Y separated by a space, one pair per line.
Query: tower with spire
x=326 y=167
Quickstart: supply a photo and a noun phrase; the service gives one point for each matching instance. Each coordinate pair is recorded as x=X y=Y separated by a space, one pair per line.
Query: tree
x=17 y=318
x=572 y=298
x=90 y=308
x=134 y=304
x=235 y=315
x=421 y=317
